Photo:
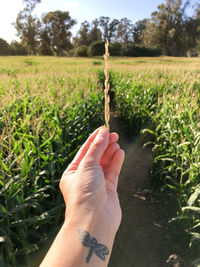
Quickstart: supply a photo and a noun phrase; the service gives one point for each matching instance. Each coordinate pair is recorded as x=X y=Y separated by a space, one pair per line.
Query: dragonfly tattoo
x=99 y=249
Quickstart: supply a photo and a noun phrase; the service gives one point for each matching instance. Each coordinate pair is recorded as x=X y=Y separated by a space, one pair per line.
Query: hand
x=89 y=188
x=89 y=184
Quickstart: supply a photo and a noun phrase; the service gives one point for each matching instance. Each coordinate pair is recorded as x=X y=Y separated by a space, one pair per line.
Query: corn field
x=48 y=107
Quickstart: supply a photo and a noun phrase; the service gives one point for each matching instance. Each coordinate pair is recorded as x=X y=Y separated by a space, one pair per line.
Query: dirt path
x=142 y=240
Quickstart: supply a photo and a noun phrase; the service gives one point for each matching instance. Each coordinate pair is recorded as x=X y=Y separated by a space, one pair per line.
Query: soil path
x=142 y=239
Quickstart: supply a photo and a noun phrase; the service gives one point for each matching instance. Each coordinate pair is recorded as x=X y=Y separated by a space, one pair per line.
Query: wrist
x=92 y=229
x=92 y=222
x=70 y=238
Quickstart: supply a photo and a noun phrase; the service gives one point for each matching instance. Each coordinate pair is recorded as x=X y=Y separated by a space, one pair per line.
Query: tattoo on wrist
x=99 y=249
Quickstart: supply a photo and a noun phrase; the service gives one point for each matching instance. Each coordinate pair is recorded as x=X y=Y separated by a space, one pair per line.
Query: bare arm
x=93 y=213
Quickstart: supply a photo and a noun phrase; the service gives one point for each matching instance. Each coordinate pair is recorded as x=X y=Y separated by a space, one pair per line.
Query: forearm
x=67 y=249
x=89 y=188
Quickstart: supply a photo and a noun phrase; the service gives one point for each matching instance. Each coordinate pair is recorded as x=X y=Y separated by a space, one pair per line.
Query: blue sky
x=80 y=10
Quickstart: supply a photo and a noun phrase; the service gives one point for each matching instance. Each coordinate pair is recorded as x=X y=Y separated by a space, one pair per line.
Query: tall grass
x=48 y=106
x=39 y=135
x=37 y=143
x=168 y=109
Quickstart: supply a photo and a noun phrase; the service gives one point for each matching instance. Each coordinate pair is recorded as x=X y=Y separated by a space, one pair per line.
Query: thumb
x=97 y=147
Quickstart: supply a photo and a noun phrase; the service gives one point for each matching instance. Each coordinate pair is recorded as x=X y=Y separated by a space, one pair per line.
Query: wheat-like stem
x=107 y=86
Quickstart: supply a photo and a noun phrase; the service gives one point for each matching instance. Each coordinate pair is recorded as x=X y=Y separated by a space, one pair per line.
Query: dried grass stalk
x=107 y=85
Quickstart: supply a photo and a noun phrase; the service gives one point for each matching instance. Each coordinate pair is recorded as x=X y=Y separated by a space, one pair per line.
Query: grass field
x=49 y=105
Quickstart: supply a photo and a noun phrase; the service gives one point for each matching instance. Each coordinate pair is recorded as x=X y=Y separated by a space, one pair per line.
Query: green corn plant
x=37 y=142
x=173 y=109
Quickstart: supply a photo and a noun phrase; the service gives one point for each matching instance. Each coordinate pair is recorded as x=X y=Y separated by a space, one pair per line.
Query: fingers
x=108 y=154
x=113 y=138
x=117 y=161
x=113 y=171
x=82 y=151
x=98 y=147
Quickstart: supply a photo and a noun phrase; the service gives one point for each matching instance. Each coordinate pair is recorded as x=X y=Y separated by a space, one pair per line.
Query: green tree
x=96 y=49
x=197 y=11
x=108 y=27
x=31 y=4
x=59 y=24
x=197 y=16
x=82 y=37
x=5 y=49
x=112 y=29
x=18 y=49
x=193 y=33
x=95 y=33
x=124 y=30
x=115 y=49
x=45 y=47
x=81 y=51
x=137 y=30
x=166 y=28
x=28 y=26
x=104 y=23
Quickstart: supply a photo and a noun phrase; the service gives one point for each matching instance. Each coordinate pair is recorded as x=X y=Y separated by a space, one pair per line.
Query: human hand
x=89 y=188
x=89 y=184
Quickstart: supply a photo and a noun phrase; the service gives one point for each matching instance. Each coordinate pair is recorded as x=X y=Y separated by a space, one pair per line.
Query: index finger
x=113 y=138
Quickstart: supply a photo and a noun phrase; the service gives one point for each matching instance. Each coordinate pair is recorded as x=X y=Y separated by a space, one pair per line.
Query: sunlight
x=7 y=17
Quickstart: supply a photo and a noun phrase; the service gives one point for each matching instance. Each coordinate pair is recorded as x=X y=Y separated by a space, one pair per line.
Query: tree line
x=169 y=31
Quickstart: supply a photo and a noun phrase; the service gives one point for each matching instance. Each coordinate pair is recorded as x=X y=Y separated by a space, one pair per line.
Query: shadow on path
x=142 y=239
